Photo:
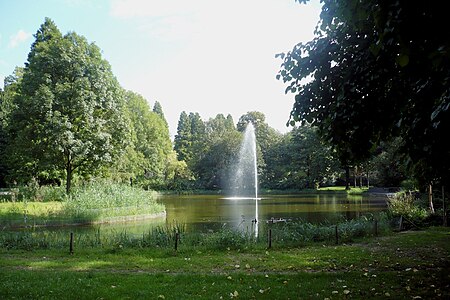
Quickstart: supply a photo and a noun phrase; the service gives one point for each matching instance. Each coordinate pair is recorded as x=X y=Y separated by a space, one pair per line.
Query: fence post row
x=71 y=244
x=177 y=237
x=336 y=234
x=376 y=227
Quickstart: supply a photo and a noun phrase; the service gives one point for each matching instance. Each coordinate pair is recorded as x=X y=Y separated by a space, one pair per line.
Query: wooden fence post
x=71 y=244
x=376 y=227
x=336 y=234
x=177 y=237
x=270 y=238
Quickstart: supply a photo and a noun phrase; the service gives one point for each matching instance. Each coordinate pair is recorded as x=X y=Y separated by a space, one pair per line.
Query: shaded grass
x=401 y=266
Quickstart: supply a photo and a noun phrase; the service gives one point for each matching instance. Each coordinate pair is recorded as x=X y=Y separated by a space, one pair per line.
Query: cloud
x=226 y=59
x=168 y=20
x=20 y=37
x=151 y=8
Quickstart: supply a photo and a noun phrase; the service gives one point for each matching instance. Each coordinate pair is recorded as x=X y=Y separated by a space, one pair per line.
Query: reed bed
x=293 y=234
x=94 y=202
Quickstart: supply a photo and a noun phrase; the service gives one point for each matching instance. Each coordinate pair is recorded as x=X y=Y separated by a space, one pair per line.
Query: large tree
x=7 y=96
x=68 y=116
x=300 y=160
x=157 y=108
x=376 y=70
x=149 y=153
x=183 y=138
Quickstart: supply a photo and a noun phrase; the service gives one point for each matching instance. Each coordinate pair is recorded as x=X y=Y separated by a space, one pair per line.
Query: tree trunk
x=430 y=198
x=347 y=178
x=69 y=178
x=368 y=182
x=361 y=179
x=354 y=175
x=444 y=209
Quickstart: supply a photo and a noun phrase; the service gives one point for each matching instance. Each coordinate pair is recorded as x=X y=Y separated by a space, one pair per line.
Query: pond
x=211 y=212
x=201 y=213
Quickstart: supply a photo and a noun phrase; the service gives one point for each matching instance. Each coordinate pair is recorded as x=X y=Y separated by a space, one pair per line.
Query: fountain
x=245 y=177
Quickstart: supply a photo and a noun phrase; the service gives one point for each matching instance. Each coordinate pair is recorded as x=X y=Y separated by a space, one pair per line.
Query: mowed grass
x=401 y=266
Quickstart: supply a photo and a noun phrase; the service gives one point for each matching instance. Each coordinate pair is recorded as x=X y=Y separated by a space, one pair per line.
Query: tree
x=388 y=164
x=7 y=103
x=183 y=137
x=219 y=125
x=157 y=108
x=221 y=143
x=216 y=162
x=149 y=153
x=69 y=114
x=376 y=70
x=300 y=160
x=266 y=137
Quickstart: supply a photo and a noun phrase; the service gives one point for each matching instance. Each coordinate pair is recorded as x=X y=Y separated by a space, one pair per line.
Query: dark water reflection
x=211 y=212
x=202 y=213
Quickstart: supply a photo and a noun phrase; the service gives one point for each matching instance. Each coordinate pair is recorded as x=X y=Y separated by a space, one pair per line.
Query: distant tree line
x=295 y=160
x=64 y=118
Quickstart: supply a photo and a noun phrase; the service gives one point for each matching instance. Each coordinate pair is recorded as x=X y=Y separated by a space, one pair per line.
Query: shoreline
x=111 y=220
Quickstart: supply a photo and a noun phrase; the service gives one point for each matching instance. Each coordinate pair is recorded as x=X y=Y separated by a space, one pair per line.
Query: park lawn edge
x=401 y=266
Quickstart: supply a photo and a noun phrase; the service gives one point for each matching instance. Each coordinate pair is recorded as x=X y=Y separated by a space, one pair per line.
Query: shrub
x=408 y=205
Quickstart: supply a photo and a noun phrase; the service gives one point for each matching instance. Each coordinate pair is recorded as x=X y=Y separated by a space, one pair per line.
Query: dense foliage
x=295 y=160
x=376 y=70
x=64 y=117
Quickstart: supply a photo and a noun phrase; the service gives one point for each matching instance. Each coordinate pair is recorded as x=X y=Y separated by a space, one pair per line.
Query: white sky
x=225 y=61
x=205 y=56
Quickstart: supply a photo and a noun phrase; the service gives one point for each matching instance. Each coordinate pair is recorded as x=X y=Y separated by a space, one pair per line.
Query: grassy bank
x=399 y=266
x=90 y=203
x=282 y=235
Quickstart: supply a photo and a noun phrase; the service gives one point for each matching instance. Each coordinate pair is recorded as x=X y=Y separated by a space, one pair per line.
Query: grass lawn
x=405 y=265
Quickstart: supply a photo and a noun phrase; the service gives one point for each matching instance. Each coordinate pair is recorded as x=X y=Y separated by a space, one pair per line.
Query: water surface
x=206 y=213
x=202 y=213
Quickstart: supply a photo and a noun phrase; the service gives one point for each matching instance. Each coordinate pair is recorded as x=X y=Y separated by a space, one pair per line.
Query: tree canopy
x=376 y=70
x=64 y=116
x=149 y=154
x=68 y=112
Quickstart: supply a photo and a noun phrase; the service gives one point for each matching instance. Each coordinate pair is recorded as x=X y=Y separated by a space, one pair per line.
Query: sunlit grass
x=401 y=266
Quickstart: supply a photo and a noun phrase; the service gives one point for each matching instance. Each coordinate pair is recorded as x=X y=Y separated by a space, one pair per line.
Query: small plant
x=226 y=238
x=407 y=206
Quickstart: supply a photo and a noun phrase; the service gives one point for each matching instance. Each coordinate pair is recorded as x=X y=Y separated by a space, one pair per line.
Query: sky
x=205 y=56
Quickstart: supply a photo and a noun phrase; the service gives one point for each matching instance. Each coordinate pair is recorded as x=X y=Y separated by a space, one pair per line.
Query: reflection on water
x=202 y=213
x=211 y=212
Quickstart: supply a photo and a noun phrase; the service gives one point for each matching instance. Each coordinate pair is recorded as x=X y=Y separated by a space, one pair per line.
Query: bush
x=99 y=200
x=407 y=205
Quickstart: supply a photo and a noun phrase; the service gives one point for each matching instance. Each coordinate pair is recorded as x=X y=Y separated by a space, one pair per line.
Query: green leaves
x=374 y=64
x=402 y=60
x=69 y=113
